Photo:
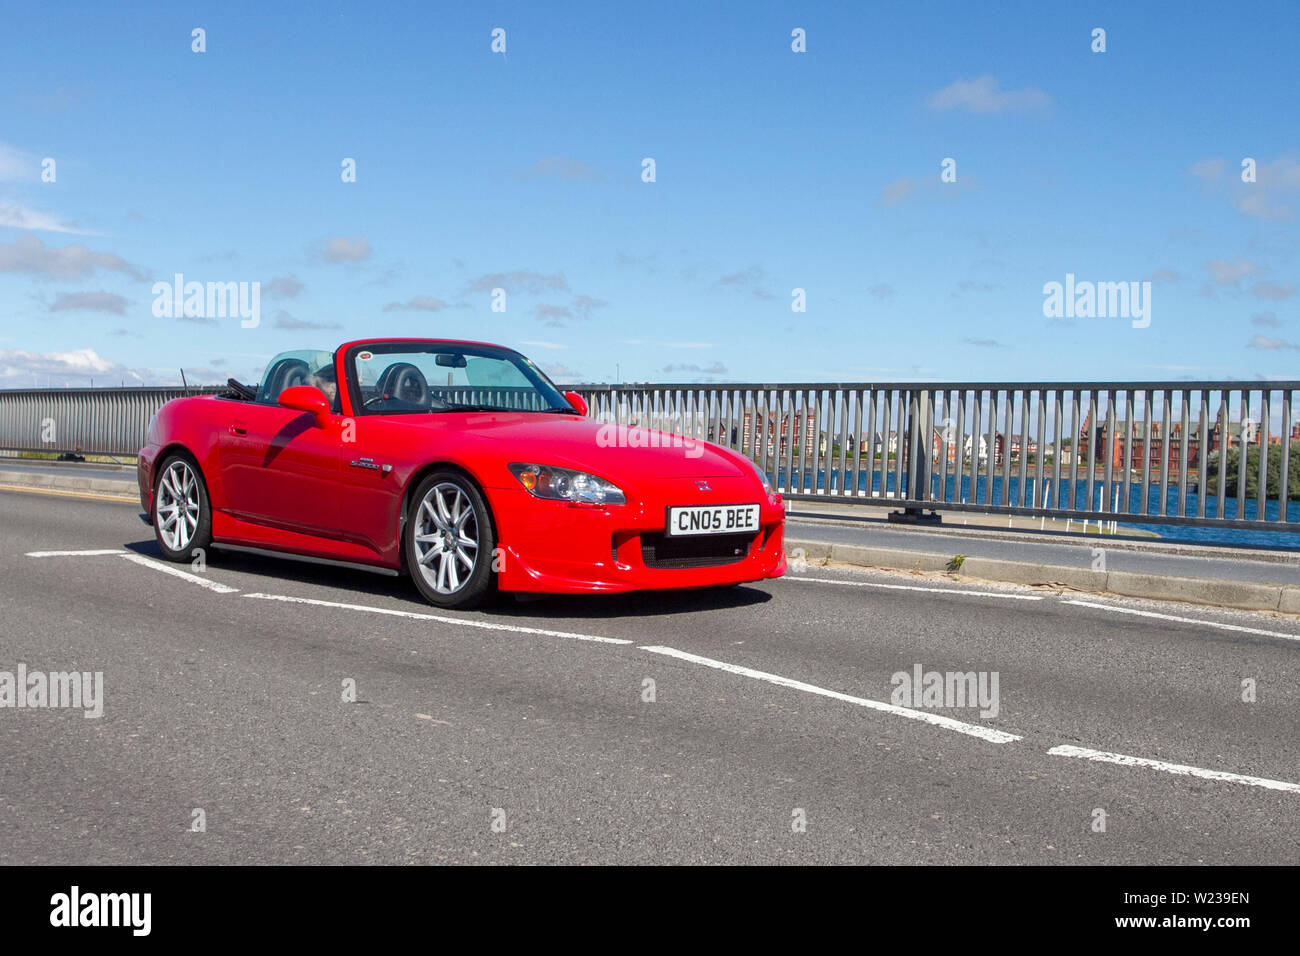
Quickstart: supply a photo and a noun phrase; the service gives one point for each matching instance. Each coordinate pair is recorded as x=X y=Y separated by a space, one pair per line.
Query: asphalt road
x=230 y=702
x=1139 y=556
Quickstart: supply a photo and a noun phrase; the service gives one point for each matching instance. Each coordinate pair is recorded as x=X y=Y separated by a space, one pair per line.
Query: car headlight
x=762 y=476
x=565 y=484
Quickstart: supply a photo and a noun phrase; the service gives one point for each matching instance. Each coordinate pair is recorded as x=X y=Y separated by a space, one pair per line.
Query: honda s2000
x=458 y=463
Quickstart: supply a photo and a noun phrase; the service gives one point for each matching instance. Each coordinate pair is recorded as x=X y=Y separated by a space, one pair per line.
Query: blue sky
x=775 y=170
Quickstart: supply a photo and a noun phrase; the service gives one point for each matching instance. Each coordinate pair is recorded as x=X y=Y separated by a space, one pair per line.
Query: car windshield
x=405 y=377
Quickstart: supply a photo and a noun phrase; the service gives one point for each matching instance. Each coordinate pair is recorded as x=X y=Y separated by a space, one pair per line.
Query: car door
x=280 y=469
x=375 y=460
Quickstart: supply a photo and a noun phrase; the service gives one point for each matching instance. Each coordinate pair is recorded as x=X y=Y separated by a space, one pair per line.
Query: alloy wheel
x=178 y=506
x=446 y=538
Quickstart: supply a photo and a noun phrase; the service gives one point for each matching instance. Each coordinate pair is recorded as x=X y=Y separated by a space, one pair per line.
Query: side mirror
x=578 y=402
x=307 y=398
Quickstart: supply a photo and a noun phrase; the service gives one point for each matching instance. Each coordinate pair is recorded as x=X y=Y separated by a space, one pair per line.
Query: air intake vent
x=660 y=551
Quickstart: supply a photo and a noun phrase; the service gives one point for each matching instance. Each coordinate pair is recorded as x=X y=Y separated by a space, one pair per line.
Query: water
x=1074 y=494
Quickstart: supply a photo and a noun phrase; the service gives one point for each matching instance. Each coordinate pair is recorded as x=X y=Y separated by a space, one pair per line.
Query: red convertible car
x=459 y=463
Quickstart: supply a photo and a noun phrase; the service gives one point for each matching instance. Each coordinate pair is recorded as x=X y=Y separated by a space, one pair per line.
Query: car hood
x=603 y=448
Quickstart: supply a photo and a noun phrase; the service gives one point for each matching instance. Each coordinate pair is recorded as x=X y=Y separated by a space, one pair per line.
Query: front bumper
x=557 y=547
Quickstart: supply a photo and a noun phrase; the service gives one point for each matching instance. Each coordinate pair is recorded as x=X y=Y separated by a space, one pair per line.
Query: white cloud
x=28 y=254
x=553 y=315
x=745 y=277
x=1208 y=169
x=17 y=217
x=983 y=95
x=1231 y=273
x=896 y=192
x=1271 y=196
x=17 y=166
x=18 y=368
x=1265 y=198
x=418 y=303
x=89 y=302
x=519 y=280
x=583 y=305
x=285 y=287
x=562 y=374
x=1273 y=291
x=345 y=249
x=283 y=320
x=717 y=368
x=1264 y=342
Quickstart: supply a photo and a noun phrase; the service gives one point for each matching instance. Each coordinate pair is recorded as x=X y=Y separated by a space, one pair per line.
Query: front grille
x=658 y=550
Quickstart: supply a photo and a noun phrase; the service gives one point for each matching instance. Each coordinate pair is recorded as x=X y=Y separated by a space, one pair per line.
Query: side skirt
x=306 y=558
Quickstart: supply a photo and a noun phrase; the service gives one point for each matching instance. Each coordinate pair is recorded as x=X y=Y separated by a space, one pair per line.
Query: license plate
x=712 y=519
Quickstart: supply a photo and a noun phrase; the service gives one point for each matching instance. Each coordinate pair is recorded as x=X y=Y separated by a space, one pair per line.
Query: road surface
x=527 y=733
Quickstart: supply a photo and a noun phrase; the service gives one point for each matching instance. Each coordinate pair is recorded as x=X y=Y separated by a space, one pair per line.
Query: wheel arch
x=424 y=471
x=167 y=451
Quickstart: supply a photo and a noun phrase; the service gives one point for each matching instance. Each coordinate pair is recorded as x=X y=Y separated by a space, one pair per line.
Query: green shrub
x=1252 y=472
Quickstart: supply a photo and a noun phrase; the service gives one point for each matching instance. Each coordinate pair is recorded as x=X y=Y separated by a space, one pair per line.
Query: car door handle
x=238 y=430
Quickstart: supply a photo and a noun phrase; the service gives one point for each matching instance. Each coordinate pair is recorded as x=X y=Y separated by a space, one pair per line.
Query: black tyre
x=182 y=516
x=449 y=541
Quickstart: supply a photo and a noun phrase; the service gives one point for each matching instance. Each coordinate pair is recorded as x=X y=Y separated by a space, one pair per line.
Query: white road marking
x=459 y=622
x=73 y=554
x=1185 y=620
x=1123 y=760
x=178 y=573
x=938 y=720
x=914 y=587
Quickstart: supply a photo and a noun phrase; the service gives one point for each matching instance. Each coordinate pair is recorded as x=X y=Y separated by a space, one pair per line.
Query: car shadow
x=576 y=606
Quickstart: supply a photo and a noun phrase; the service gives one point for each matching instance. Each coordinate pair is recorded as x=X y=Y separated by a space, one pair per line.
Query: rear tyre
x=182 y=517
x=449 y=541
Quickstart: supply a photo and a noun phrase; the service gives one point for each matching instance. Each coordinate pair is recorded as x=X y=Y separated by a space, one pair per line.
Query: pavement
x=757 y=724
x=86 y=477
x=1255 y=579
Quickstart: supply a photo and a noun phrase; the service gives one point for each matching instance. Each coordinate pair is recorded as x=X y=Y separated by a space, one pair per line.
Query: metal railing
x=96 y=421
x=1154 y=452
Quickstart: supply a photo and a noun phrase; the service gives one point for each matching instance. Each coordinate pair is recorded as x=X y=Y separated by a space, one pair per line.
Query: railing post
x=920 y=426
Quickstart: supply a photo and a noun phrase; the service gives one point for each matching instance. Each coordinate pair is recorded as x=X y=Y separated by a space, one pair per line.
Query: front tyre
x=182 y=518
x=449 y=541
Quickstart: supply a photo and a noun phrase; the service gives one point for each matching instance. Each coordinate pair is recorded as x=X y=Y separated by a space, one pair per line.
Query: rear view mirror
x=307 y=398
x=451 y=361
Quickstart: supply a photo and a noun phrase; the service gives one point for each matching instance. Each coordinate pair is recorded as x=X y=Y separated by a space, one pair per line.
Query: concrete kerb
x=1243 y=595
x=109 y=487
